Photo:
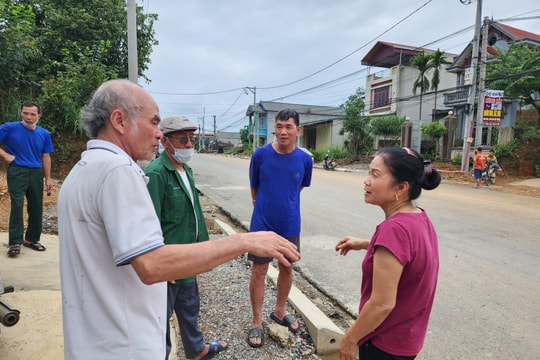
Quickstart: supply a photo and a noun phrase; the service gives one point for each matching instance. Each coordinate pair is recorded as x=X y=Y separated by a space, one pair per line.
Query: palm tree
x=422 y=62
x=437 y=60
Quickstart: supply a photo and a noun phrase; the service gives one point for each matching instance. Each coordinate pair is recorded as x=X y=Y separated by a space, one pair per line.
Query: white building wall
x=404 y=103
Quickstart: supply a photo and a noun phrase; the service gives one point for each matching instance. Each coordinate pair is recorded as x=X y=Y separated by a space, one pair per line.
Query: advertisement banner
x=493 y=103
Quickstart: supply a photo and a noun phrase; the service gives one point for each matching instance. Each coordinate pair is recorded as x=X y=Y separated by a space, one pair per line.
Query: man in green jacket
x=175 y=199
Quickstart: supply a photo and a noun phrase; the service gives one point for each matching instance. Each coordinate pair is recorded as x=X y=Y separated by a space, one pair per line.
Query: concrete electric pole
x=468 y=126
x=255 y=126
x=133 y=71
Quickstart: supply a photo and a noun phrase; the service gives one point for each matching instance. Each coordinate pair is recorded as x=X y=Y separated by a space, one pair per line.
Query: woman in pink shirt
x=401 y=265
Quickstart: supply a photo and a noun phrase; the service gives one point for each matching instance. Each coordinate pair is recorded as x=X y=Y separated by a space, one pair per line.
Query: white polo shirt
x=105 y=219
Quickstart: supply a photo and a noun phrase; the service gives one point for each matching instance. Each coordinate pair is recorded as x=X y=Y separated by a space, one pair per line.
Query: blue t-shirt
x=278 y=179
x=26 y=145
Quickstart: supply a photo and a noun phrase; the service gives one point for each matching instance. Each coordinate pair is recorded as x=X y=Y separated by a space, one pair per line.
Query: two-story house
x=389 y=90
x=499 y=37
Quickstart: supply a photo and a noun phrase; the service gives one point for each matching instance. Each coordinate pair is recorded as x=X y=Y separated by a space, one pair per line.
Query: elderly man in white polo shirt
x=113 y=262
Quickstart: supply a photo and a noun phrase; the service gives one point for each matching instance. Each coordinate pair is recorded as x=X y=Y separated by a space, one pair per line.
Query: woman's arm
x=386 y=274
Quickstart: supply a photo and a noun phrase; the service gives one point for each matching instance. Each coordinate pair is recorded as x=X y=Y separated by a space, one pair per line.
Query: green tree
x=422 y=62
x=244 y=137
x=75 y=25
x=75 y=45
x=517 y=72
x=359 y=138
x=435 y=131
x=388 y=126
x=437 y=60
x=17 y=50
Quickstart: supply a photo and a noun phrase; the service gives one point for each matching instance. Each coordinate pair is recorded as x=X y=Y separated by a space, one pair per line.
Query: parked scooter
x=490 y=173
x=329 y=162
x=9 y=316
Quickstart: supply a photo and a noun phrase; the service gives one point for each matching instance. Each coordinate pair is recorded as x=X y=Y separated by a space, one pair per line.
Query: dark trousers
x=23 y=181
x=369 y=352
x=185 y=301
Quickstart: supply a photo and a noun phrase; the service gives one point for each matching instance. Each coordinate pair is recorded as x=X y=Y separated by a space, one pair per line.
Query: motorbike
x=490 y=173
x=9 y=316
x=329 y=163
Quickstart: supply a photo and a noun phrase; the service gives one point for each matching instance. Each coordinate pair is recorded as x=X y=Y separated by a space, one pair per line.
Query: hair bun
x=431 y=180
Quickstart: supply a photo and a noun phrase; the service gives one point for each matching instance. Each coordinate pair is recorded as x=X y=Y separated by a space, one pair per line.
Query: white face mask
x=29 y=126
x=183 y=155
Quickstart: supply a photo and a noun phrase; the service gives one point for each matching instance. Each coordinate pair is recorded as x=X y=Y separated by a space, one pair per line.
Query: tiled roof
x=386 y=54
x=518 y=34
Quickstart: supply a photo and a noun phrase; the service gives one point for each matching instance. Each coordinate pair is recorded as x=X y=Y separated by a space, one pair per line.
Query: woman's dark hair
x=407 y=165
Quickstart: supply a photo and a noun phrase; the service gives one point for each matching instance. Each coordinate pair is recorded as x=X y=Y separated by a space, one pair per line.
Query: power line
x=353 y=52
x=316 y=72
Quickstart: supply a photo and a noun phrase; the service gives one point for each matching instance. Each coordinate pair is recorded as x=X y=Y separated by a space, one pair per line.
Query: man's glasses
x=184 y=139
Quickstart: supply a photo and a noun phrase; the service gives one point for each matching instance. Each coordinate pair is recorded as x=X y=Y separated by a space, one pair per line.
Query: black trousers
x=368 y=351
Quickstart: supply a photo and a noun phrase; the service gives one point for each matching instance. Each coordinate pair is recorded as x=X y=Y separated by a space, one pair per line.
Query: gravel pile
x=226 y=314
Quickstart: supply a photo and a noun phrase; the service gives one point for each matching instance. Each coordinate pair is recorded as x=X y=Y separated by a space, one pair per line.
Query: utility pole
x=200 y=137
x=133 y=72
x=468 y=128
x=482 y=86
x=215 y=135
x=255 y=128
x=203 y=130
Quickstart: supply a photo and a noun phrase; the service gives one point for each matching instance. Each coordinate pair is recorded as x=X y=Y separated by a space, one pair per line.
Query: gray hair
x=111 y=95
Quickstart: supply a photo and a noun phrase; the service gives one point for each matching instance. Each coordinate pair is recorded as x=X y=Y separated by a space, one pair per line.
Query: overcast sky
x=294 y=51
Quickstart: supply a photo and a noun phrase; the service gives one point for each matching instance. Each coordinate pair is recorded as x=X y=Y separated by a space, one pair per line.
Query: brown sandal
x=14 y=250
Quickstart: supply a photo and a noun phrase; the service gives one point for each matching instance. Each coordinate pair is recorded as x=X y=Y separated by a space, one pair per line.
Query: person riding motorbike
x=329 y=162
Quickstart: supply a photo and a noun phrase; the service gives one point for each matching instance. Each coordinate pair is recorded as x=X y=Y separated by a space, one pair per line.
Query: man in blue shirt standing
x=277 y=173
x=28 y=149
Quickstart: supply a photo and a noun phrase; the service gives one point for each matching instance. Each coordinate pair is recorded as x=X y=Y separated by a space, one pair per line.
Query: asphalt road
x=488 y=298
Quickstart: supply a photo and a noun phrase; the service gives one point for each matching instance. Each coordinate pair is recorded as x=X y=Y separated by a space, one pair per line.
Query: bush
x=336 y=153
x=506 y=150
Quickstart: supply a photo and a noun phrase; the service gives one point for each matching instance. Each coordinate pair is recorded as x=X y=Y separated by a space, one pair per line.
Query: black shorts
x=264 y=260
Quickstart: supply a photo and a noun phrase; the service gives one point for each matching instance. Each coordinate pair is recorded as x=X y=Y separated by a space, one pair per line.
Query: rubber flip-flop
x=255 y=333
x=215 y=347
x=287 y=321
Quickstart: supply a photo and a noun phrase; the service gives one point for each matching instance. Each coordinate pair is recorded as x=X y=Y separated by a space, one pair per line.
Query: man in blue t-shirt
x=28 y=149
x=277 y=173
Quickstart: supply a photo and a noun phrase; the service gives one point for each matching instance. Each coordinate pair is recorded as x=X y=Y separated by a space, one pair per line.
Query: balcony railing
x=456 y=98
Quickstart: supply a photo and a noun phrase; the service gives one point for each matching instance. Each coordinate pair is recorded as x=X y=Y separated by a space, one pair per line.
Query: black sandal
x=35 y=246
x=14 y=250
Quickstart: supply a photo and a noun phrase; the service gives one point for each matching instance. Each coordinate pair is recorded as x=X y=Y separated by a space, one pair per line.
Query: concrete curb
x=325 y=334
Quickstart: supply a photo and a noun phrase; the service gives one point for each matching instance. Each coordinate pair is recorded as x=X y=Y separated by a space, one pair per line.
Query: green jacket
x=179 y=218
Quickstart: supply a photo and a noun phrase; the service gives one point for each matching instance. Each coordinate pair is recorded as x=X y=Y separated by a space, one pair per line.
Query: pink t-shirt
x=411 y=238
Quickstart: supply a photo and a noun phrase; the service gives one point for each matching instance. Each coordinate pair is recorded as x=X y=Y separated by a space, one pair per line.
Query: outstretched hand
x=270 y=244
x=350 y=243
